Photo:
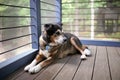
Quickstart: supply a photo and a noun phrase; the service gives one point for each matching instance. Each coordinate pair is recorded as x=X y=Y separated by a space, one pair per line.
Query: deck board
x=114 y=61
x=52 y=70
x=101 y=69
x=27 y=76
x=86 y=67
x=69 y=69
x=104 y=64
x=118 y=50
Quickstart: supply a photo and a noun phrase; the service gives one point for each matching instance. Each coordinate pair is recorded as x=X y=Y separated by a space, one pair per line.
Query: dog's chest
x=45 y=53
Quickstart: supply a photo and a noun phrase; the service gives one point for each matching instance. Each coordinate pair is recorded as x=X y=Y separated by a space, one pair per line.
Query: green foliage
x=14 y=11
x=116 y=3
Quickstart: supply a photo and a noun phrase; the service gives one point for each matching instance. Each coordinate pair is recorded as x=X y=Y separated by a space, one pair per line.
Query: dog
x=60 y=45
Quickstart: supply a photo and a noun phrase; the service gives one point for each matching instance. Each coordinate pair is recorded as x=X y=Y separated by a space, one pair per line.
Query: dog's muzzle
x=64 y=39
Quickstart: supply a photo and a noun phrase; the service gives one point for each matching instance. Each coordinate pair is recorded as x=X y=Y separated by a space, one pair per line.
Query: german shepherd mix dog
x=61 y=44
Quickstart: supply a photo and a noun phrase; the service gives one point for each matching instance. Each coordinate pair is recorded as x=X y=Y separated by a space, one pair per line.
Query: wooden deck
x=104 y=64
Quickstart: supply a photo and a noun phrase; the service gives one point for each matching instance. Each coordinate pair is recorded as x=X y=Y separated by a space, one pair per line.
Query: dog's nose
x=65 y=39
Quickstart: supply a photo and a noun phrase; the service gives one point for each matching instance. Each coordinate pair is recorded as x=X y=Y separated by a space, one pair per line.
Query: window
x=15 y=28
x=92 y=19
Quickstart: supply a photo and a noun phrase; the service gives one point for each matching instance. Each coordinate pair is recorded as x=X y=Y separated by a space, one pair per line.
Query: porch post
x=35 y=20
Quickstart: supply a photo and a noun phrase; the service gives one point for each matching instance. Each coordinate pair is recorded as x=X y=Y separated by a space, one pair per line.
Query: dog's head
x=50 y=28
x=55 y=34
x=57 y=38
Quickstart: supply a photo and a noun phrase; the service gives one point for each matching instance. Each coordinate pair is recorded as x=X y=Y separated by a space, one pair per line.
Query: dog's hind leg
x=80 y=49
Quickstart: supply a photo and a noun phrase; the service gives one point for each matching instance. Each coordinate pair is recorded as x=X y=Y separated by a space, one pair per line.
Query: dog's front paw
x=27 y=67
x=35 y=69
x=30 y=65
x=87 y=52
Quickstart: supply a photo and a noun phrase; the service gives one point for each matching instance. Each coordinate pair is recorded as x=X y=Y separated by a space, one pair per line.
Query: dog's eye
x=57 y=33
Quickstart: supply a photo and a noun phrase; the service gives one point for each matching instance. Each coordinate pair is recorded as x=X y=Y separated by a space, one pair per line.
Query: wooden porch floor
x=104 y=64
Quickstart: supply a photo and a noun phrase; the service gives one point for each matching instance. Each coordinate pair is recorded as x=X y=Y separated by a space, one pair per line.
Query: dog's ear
x=46 y=25
x=60 y=24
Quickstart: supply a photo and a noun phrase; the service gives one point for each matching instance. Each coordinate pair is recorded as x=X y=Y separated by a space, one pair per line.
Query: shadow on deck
x=104 y=64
